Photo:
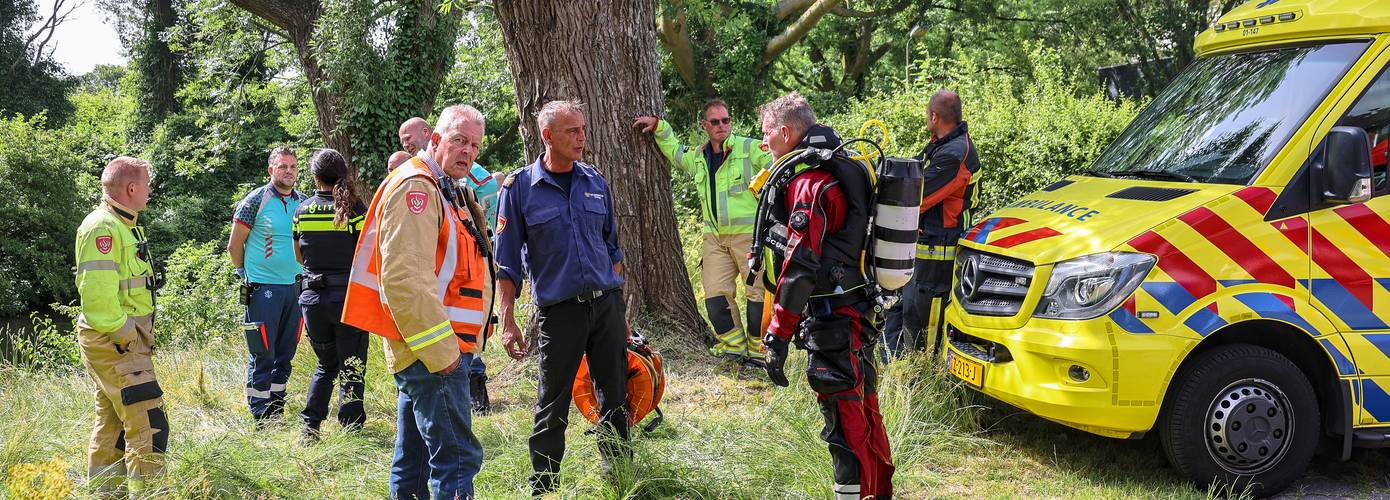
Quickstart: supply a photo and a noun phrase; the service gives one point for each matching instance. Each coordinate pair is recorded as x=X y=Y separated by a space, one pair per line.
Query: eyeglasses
x=720 y=121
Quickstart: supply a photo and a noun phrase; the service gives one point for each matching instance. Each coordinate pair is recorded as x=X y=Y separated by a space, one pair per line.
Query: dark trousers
x=841 y=372
x=568 y=331
x=342 y=355
x=436 y=453
x=272 y=329
x=917 y=321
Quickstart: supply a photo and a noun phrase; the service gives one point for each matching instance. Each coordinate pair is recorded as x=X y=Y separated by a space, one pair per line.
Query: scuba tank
x=898 y=194
x=890 y=250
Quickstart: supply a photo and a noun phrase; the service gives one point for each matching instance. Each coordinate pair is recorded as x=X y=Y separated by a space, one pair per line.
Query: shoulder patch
x=508 y=181
x=104 y=243
x=416 y=201
x=501 y=224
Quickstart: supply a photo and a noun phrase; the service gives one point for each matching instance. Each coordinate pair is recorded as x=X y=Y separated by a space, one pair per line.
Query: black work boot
x=477 y=392
x=310 y=434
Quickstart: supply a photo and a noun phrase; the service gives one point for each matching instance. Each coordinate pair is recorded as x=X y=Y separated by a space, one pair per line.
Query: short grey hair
x=455 y=115
x=791 y=110
x=551 y=109
x=278 y=152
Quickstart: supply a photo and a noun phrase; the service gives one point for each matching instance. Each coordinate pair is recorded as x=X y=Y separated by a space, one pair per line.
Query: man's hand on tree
x=776 y=359
x=645 y=124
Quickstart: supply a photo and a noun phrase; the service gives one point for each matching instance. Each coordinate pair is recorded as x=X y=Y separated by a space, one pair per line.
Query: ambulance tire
x=1242 y=419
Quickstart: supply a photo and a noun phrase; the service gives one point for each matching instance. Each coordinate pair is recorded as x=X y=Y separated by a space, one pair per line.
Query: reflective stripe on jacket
x=111 y=276
x=394 y=294
x=732 y=207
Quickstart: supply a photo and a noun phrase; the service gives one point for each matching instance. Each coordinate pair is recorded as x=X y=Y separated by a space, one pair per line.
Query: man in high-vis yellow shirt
x=722 y=170
x=116 y=283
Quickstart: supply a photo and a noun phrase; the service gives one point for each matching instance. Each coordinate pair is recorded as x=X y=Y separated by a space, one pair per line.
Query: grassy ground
x=727 y=434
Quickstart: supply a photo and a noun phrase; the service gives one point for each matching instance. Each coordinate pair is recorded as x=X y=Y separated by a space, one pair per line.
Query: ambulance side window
x=1372 y=113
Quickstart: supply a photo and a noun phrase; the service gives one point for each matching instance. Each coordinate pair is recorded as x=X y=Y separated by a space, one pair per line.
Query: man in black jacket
x=949 y=194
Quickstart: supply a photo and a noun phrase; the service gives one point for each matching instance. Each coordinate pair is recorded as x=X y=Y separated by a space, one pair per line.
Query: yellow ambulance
x=1221 y=274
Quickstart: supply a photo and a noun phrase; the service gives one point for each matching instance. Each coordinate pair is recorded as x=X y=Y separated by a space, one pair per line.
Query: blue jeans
x=437 y=454
x=272 y=328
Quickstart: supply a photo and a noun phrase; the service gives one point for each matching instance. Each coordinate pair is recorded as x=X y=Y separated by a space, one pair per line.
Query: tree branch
x=797 y=30
x=674 y=33
x=295 y=17
x=788 y=8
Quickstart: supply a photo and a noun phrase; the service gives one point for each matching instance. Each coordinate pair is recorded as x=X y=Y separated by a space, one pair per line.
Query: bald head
x=126 y=181
x=414 y=135
x=397 y=159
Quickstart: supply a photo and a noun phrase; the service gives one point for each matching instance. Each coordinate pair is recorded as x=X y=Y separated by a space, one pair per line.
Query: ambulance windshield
x=1227 y=115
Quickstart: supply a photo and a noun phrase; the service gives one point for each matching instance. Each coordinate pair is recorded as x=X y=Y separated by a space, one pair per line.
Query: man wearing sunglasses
x=722 y=169
x=116 y=283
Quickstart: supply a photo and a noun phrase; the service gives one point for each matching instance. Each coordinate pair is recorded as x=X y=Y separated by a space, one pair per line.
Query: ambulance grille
x=991 y=285
x=1148 y=193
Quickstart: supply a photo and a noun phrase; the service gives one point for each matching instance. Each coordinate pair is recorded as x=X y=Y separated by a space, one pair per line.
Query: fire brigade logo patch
x=104 y=244
x=416 y=201
x=501 y=224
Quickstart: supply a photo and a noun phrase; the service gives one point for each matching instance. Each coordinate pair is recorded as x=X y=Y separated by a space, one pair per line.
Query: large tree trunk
x=604 y=54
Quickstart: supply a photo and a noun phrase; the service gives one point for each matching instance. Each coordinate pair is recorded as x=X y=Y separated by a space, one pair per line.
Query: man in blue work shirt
x=558 y=211
x=262 y=251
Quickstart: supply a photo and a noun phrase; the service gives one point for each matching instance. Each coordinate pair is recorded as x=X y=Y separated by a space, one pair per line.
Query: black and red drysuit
x=836 y=329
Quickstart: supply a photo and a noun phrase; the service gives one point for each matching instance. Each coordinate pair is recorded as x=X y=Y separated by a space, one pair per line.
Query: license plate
x=970 y=371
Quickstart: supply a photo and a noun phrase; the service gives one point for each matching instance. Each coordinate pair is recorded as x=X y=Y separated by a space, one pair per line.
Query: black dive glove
x=776 y=359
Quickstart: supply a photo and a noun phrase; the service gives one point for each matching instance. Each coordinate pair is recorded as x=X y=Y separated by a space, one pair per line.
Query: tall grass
x=727 y=434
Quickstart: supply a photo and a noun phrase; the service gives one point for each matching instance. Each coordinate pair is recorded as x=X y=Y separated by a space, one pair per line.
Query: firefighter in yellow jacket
x=722 y=170
x=422 y=277
x=116 y=283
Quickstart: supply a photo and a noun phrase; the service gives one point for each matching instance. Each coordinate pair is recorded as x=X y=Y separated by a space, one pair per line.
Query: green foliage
x=234 y=111
x=1030 y=129
x=361 y=47
x=199 y=301
x=44 y=346
x=38 y=216
x=480 y=78
x=33 y=82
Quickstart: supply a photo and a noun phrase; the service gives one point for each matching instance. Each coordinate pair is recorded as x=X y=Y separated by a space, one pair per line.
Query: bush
x=49 y=348
x=199 y=300
x=1029 y=129
x=38 y=216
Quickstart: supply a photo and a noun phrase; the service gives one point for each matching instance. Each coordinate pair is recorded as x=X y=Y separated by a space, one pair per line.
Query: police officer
x=722 y=170
x=949 y=193
x=817 y=232
x=262 y=250
x=326 y=226
x=116 y=283
x=558 y=212
x=422 y=277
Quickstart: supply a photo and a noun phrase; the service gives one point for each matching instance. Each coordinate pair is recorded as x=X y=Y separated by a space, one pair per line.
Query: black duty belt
x=591 y=296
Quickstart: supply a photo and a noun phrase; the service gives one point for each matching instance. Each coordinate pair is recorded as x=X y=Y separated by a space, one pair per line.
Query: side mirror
x=1344 y=174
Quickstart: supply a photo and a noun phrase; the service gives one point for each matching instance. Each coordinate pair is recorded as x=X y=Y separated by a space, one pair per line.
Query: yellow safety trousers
x=131 y=430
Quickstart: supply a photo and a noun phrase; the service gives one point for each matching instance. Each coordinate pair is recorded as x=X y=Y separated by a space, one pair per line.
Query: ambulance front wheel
x=1240 y=418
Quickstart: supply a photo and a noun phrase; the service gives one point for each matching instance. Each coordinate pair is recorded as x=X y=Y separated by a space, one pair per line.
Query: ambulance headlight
x=1089 y=286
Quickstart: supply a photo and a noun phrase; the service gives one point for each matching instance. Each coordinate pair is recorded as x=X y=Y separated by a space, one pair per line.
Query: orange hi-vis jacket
x=394 y=293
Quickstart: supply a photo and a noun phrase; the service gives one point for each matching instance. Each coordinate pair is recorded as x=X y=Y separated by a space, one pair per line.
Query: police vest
x=463 y=270
x=842 y=252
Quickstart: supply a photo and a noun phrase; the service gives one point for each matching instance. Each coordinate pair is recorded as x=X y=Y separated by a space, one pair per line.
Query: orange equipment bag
x=645 y=383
